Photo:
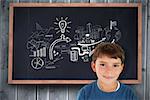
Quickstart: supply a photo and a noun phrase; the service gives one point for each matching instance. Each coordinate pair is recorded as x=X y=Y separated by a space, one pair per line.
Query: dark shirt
x=92 y=92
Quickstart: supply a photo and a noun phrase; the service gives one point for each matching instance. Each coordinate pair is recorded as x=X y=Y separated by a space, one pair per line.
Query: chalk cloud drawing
x=47 y=47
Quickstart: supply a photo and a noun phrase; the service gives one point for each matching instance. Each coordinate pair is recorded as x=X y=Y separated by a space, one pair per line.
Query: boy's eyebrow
x=117 y=63
x=102 y=61
x=107 y=62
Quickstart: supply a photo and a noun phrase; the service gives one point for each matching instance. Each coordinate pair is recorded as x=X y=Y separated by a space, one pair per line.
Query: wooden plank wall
x=63 y=92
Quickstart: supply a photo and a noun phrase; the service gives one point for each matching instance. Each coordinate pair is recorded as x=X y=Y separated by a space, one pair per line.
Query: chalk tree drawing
x=47 y=47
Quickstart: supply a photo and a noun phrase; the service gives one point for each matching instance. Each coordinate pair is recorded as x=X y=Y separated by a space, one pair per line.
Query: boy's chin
x=110 y=82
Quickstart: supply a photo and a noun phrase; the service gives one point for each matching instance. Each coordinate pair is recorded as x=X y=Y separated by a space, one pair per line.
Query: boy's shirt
x=92 y=92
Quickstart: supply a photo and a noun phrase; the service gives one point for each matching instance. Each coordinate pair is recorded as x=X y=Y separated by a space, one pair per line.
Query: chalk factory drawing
x=49 y=46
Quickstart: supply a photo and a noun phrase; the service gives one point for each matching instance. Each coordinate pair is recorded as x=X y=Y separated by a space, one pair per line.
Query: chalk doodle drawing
x=47 y=47
x=37 y=63
x=61 y=39
x=62 y=25
x=112 y=33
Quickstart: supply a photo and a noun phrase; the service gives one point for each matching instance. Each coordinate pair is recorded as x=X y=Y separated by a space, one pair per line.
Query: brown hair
x=109 y=49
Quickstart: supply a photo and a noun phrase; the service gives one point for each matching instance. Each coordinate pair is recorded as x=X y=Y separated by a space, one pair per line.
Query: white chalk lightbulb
x=62 y=25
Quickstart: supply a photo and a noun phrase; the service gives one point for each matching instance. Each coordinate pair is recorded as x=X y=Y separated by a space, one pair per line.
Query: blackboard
x=53 y=43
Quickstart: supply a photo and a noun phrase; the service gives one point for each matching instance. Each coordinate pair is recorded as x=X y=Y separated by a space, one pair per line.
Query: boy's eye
x=102 y=65
x=116 y=65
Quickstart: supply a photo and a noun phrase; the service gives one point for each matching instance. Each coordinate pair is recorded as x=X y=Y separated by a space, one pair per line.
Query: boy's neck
x=107 y=87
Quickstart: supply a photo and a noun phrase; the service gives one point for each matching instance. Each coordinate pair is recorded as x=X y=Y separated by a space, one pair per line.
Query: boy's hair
x=111 y=50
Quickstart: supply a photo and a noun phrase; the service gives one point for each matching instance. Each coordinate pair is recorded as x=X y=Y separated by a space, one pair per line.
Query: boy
x=107 y=63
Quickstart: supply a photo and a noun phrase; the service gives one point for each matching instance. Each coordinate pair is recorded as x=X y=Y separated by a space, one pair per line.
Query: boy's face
x=107 y=69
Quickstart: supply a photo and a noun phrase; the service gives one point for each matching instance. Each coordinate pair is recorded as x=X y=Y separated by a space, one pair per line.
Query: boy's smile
x=108 y=77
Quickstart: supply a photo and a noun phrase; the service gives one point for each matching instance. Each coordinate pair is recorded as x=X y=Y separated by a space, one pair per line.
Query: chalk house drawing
x=47 y=47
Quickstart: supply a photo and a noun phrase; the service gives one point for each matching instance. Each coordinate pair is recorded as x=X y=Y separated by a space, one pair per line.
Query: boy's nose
x=109 y=69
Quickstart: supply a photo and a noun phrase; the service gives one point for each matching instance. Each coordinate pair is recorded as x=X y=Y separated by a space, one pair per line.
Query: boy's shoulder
x=87 y=90
x=89 y=87
x=126 y=87
x=128 y=91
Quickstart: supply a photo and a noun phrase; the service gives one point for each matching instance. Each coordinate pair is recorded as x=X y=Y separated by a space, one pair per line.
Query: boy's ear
x=122 y=67
x=93 y=66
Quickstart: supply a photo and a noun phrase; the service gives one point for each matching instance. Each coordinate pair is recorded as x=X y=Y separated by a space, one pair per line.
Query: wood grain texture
x=73 y=91
x=58 y=92
x=31 y=4
x=144 y=36
x=79 y=1
x=99 y=1
x=148 y=63
x=26 y=92
x=140 y=42
x=43 y=92
x=0 y=38
x=118 y=1
x=7 y=92
x=60 y=1
x=26 y=1
x=148 y=9
x=45 y=1
x=1 y=82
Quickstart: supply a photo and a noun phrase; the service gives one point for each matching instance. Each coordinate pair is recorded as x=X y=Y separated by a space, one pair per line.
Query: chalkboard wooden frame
x=77 y=81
